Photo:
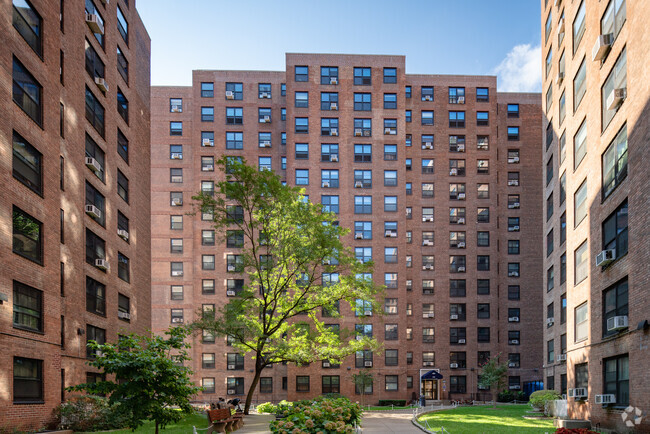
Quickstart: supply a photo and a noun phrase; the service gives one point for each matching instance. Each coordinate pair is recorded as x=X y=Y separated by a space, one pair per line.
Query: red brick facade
x=58 y=345
x=410 y=296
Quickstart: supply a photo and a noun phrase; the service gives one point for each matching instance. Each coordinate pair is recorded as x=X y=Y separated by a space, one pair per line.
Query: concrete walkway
x=256 y=424
x=385 y=422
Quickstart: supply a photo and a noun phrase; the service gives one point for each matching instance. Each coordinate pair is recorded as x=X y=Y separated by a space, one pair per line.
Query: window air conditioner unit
x=366 y=133
x=617 y=323
x=326 y=184
x=513 y=274
x=513 y=319
x=177 y=109
x=358 y=236
x=578 y=392
x=177 y=320
x=177 y=202
x=93 y=164
x=602 y=46
x=334 y=158
x=177 y=273
x=265 y=119
x=367 y=313
x=231 y=293
x=326 y=261
x=460 y=220
x=94 y=23
x=515 y=387
x=430 y=315
x=513 y=228
x=453 y=140
x=358 y=184
x=334 y=106
x=616 y=97
x=605 y=257
x=461 y=100
x=358 y=132
x=514 y=342
x=231 y=367
x=231 y=392
x=606 y=399
x=334 y=80
x=208 y=168
x=461 y=195
x=123 y=234
x=427 y=364
x=427 y=219
x=334 y=131
x=453 y=316
x=461 y=244
x=427 y=145
x=512 y=365
x=367 y=364
x=513 y=182
x=230 y=94
x=427 y=98
x=461 y=341
x=560 y=25
x=559 y=78
x=453 y=365
x=123 y=315
x=208 y=142
x=427 y=267
x=427 y=243
x=176 y=156
x=453 y=172
x=231 y=268
x=265 y=144
x=561 y=357
x=101 y=83
x=461 y=148
x=391 y=234
x=266 y=95
x=326 y=364
x=390 y=131
x=512 y=160
x=93 y=211
x=461 y=269
x=102 y=264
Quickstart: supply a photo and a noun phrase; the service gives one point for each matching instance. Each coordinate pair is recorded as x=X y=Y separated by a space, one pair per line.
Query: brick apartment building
x=595 y=81
x=74 y=207
x=438 y=178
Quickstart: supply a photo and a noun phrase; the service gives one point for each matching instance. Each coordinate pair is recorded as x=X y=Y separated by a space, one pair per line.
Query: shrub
x=267 y=407
x=320 y=415
x=90 y=413
x=540 y=398
x=521 y=396
x=505 y=396
x=395 y=402
x=574 y=431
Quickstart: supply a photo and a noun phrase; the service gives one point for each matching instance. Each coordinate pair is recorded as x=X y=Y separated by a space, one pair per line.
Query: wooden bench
x=222 y=421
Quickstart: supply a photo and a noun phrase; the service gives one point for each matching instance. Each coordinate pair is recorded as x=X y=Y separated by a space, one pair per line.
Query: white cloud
x=521 y=70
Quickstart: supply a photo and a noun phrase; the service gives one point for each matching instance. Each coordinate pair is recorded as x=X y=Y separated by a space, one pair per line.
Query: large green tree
x=297 y=269
x=149 y=379
x=493 y=376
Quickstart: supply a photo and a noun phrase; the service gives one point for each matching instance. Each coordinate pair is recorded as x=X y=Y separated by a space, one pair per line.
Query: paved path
x=256 y=424
x=385 y=422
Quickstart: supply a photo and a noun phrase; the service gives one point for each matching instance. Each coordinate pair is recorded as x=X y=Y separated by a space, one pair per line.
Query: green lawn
x=182 y=427
x=483 y=419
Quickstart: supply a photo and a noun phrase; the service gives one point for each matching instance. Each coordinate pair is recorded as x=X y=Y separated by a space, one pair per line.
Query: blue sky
x=498 y=37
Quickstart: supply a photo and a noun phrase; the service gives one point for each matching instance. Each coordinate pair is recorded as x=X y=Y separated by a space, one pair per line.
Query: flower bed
x=322 y=415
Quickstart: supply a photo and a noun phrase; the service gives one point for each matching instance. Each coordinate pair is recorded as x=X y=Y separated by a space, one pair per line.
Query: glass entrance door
x=430 y=389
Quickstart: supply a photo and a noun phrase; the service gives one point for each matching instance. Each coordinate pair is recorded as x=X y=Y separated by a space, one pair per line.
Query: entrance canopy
x=431 y=375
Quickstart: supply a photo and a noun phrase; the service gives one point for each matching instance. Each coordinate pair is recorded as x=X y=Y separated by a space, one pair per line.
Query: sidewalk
x=385 y=422
x=256 y=424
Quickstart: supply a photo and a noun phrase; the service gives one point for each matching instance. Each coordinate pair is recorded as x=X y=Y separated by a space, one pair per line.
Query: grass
x=483 y=419
x=184 y=426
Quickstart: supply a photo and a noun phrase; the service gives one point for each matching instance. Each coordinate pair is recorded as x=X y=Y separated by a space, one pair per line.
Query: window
x=362 y=77
x=27 y=164
x=390 y=306
x=27 y=236
x=482 y=94
x=427 y=189
x=234 y=91
x=390 y=255
x=27 y=380
x=28 y=308
x=482 y=119
x=264 y=163
x=29 y=24
x=426 y=117
x=549 y=206
x=580 y=144
x=457 y=335
x=235 y=385
x=615 y=231
x=616 y=379
x=329 y=75
x=94 y=334
x=549 y=243
x=94 y=64
x=615 y=303
x=302 y=176
x=484 y=190
x=483 y=215
x=234 y=116
x=513 y=133
x=302 y=125
x=579 y=84
x=362 y=101
x=513 y=110
x=483 y=239
x=123 y=107
x=330 y=178
x=483 y=333
x=457 y=288
x=302 y=99
x=578 y=27
x=176 y=128
x=483 y=263
x=457 y=191
x=513 y=269
x=363 y=254
x=562 y=107
x=550 y=279
x=513 y=292
x=207 y=114
x=264 y=90
x=329 y=101
x=329 y=126
x=95 y=198
x=514 y=337
x=330 y=384
x=581 y=322
x=390 y=203
x=302 y=73
x=483 y=286
x=302 y=381
x=390 y=75
x=391 y=383
x=580 y=203
x=614 y=161
x=390 y=100
x=122 y=186
x=391 y=357
x=363 y=230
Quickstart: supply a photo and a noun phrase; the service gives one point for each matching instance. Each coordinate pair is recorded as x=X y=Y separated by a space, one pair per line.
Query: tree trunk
x=251 y=390
x=494 y=399
x=156 y=427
